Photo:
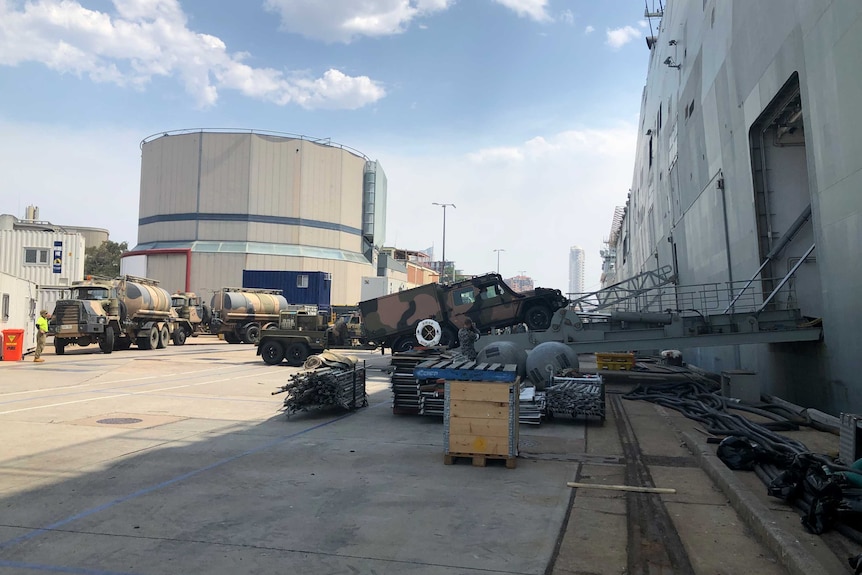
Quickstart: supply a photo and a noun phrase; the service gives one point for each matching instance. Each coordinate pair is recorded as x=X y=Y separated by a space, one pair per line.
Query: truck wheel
x=231 y=337
x=164 y=337
x=538 y=318
x=296 y=354
x=122 y=343
x=179 y=336
x=107 y=343
x=405 y=343
x=150 y=340
x=272 y=352
x=252 y=334
x=59 y=346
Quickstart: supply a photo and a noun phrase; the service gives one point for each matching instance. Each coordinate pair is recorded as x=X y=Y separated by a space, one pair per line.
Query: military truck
x=240 y=314
x=393 y=319
x=301 y=335
x=190 y=307
x=115 y=313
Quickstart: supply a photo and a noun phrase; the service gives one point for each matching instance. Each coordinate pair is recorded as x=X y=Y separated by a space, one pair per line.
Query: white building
x=48 y=255
x=576 y=270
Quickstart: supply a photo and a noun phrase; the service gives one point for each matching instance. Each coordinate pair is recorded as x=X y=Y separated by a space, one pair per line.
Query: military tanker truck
x=115 y=313
x=393 y=319
x=239 y=314
x=196 y=313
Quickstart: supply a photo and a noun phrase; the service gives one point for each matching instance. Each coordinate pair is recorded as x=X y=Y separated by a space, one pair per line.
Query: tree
x=104 y=260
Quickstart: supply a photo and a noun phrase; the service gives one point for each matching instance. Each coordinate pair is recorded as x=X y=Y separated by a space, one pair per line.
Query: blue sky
x=522 y=113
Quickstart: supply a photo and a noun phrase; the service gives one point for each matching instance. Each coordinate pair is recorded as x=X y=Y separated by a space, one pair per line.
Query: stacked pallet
x=406 y=396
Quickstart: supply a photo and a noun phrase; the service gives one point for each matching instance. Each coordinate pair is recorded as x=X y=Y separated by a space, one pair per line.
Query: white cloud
x=589 y=30
x=619 y=37
x=533 y=199
x=533 y=9
x=149 y=38
x=346 y=20
x=567 y=17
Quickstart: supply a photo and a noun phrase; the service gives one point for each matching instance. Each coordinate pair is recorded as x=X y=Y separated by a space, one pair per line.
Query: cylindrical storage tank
x=504 y=352
x=249 y=303
x=142 y=298
x=546 y=359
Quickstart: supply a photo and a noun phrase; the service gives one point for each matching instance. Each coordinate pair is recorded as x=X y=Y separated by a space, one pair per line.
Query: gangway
x=671 y=316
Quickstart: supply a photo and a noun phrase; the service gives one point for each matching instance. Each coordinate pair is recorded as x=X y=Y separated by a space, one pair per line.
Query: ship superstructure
x=749 y=176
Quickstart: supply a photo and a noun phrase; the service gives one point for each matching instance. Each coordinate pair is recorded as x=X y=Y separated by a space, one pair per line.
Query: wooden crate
x=615 y=361
x=480 y=421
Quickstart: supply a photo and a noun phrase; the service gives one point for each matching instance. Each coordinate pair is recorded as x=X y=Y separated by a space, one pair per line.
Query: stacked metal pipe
x=325 y=387
x=576 y=397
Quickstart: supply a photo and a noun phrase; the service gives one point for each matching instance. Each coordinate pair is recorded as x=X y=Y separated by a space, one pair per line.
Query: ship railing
x=749 y=296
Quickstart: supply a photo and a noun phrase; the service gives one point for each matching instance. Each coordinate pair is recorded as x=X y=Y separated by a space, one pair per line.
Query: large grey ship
x=748 y=177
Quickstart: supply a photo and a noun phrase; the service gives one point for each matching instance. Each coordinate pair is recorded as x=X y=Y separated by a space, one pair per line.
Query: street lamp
x=444 y=206
x=498 y=259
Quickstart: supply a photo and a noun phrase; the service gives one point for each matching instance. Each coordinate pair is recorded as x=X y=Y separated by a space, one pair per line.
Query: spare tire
x=428 y=332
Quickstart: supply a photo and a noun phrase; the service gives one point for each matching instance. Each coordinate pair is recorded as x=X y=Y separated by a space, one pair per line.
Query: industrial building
x=215 y=203
x=48 y=255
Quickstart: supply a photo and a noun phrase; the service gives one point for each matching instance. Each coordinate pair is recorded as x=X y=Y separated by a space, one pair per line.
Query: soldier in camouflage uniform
x=467 y=337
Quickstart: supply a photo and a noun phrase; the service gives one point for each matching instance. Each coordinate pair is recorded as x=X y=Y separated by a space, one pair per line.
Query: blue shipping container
x=298 y=288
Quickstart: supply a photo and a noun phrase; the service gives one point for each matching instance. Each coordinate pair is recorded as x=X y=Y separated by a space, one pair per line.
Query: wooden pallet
x=479 y=459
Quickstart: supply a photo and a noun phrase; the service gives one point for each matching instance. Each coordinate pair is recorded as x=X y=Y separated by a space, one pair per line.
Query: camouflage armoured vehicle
x=189 y=306
x=240 y=314
x=486 y=299
x=115 y=313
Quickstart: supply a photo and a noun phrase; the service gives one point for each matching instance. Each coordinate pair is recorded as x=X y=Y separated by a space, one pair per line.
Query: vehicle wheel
x=164 y=337
x=231 y=337
x=405 y=343
x=272 y=352
x=449 y=338
x=150 y=340
x=538 y=317
x=122 y=343
x=296 y=354
x=59 y=346
x=179 y=336
x=107 y=343
x=252 y=334
x=271 y=325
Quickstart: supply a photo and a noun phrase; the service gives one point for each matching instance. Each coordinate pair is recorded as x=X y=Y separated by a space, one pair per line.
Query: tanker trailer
x=239 y=314
x=113 y=313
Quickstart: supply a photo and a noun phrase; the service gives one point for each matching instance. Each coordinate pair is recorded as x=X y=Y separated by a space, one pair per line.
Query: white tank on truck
x=239 y=314
x=115 y=313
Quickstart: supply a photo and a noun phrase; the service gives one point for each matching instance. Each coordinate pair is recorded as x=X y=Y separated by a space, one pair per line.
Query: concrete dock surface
x=179 y=461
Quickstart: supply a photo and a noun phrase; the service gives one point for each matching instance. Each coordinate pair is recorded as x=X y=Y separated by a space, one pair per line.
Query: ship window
x=5 y=307
x=302 y=281
x=35 y=256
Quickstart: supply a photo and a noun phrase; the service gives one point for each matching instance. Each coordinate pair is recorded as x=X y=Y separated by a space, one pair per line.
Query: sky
x=521 y=113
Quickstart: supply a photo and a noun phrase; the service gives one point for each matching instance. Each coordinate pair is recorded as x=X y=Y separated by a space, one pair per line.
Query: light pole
x=444 y=206
x=498 y=259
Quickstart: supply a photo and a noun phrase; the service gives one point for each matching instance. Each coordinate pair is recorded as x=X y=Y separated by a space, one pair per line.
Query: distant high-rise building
x=576 y=270
x=520 y=283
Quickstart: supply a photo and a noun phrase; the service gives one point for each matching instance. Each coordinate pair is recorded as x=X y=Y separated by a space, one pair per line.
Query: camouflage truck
x=302 y=334
x=240 y=314
x=196 y=313
x=115 y=313
x=487 y=300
